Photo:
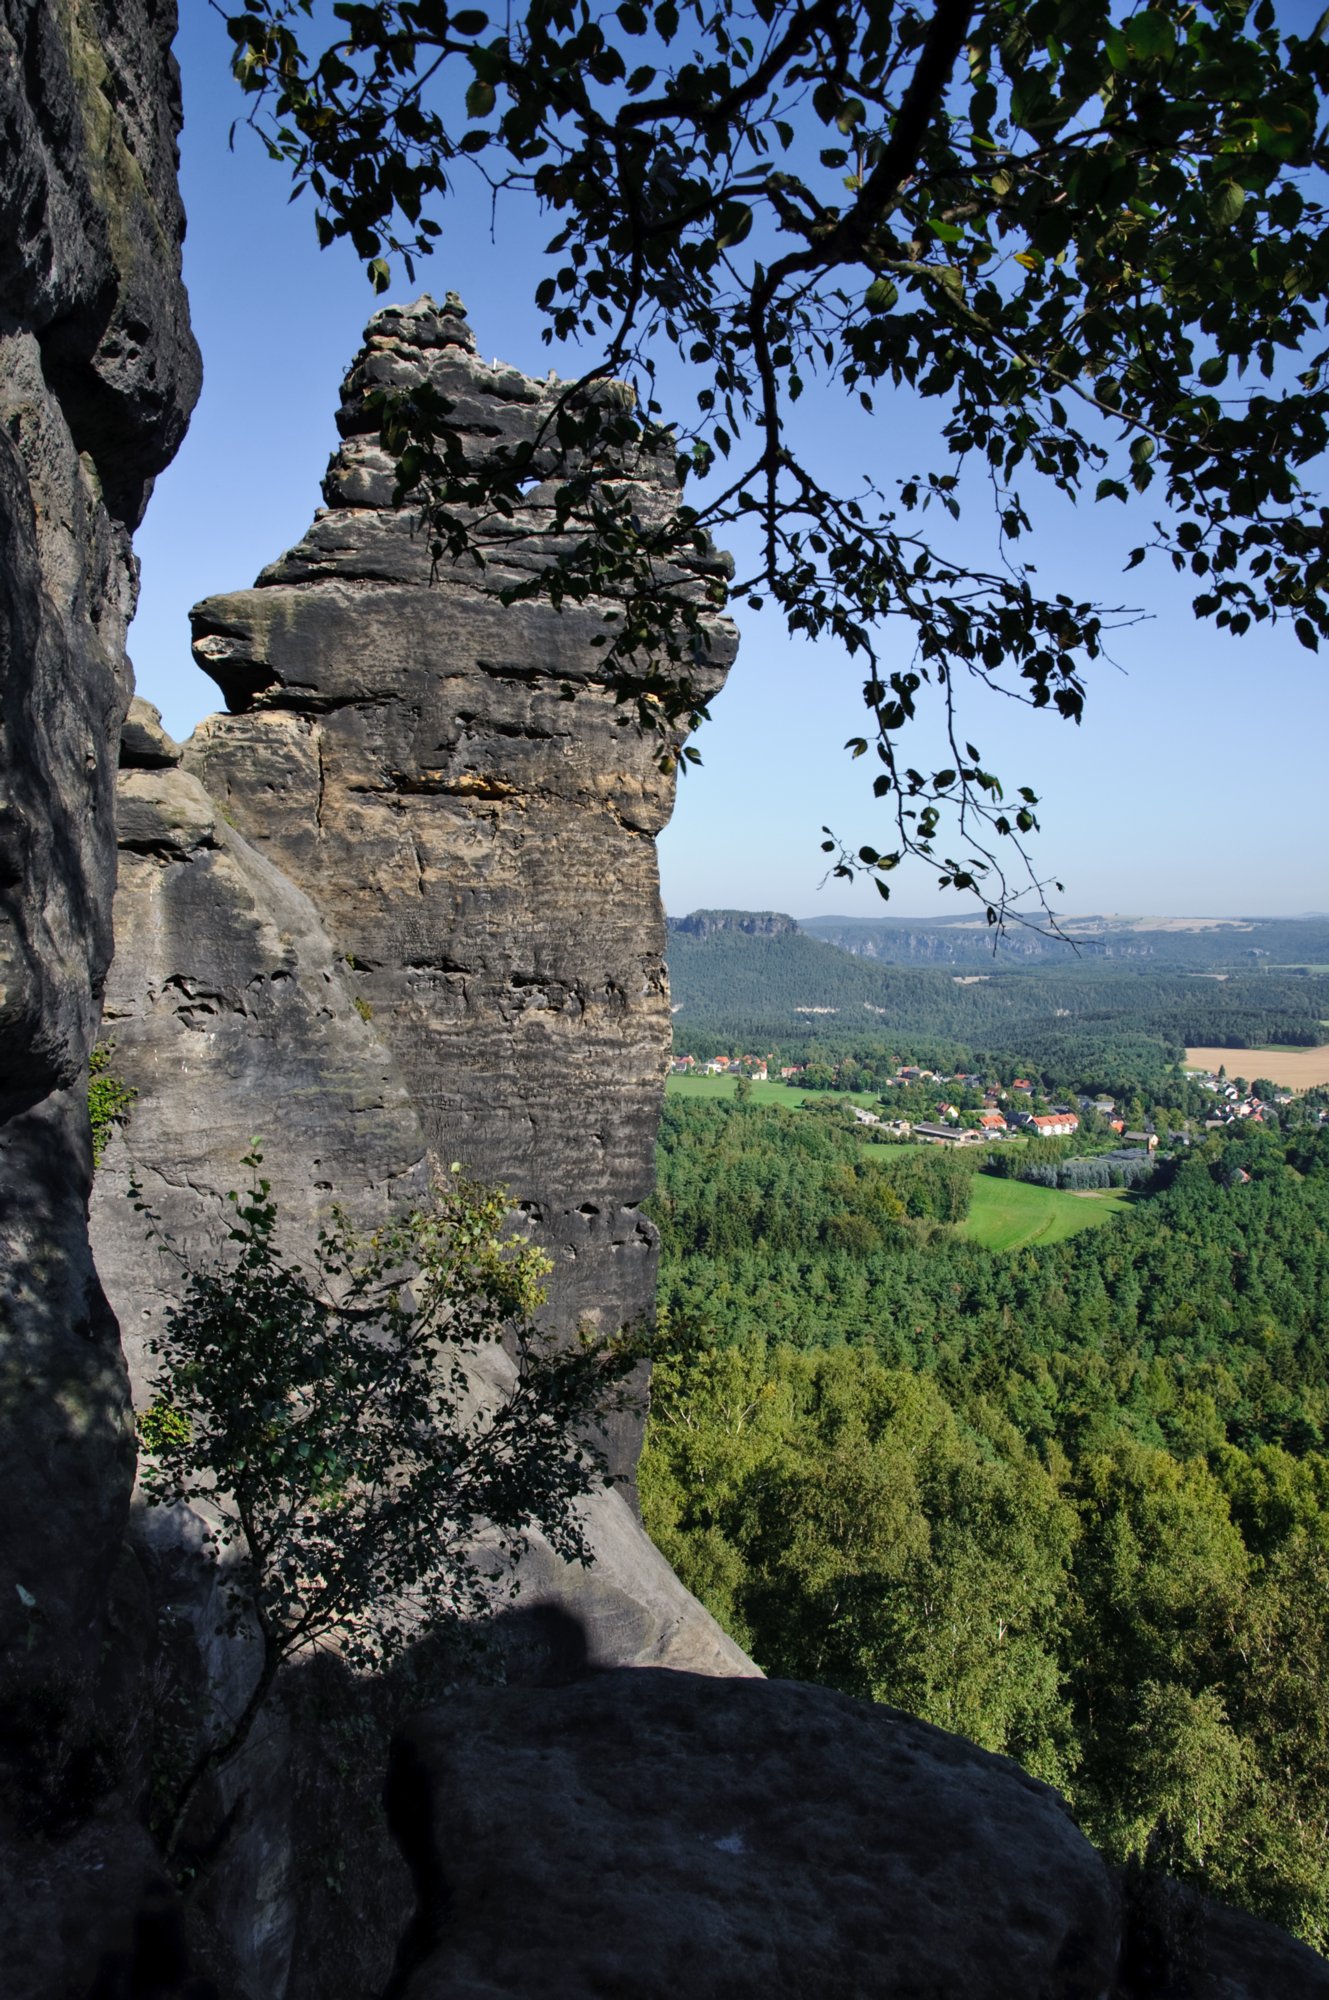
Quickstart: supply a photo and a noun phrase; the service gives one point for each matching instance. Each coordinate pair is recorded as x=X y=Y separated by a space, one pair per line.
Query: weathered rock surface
x=481 y=848
x=98 y=373
x=233 y=1015
x=645 y=1835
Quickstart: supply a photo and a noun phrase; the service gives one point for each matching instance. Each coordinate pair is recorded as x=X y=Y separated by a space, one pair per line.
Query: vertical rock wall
x=98 y=373
x=481 y=848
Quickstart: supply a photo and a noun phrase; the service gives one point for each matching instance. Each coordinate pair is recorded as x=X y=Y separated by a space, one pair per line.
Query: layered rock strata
x=98 y=373
x=231 y=1012
x=402 y=745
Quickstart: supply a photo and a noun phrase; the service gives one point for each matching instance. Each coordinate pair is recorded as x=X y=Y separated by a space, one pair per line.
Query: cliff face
x=750 y=923
x=98 y=373
x=481 y=848
x=233 y=1012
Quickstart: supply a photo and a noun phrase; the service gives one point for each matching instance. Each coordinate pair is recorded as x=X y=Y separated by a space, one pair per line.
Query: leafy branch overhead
x=1094 y=240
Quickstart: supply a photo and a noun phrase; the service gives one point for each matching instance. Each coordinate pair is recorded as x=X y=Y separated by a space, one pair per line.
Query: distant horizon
x=1143 y=917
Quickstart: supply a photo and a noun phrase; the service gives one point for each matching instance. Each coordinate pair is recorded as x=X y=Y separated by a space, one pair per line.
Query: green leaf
x=480 y=99
x=1149 y=36
x=1226 y=204
x=735 y=221
x=1307 y=634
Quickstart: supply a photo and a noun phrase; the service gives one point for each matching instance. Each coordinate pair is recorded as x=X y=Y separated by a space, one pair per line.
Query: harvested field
x=1295 y=1069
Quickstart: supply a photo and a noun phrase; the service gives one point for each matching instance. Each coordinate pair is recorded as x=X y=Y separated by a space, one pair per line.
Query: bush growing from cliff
x=327 y=1423
x=109 y=1099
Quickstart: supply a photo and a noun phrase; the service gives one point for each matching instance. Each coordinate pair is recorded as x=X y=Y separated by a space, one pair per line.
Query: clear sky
x=1197 y=785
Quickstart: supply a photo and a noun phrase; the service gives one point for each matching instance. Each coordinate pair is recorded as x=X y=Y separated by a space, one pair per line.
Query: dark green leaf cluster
x=1096 y=244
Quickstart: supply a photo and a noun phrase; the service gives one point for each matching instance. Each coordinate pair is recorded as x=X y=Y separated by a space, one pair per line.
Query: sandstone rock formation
x=481 y=848
x=98 y=373
x=648 y=1835
x=232 y=1013
x=402 y=907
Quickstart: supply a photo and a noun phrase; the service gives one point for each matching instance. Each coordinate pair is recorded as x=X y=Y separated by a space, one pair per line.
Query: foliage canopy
x=1093 y=238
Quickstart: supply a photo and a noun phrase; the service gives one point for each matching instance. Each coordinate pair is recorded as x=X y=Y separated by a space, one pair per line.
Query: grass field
x=1012 y=1215
x=1295 y=1069
x=716 y=1089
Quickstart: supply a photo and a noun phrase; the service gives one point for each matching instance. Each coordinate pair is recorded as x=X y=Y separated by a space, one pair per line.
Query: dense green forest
x=1073 y=1502
x=1070 y=1018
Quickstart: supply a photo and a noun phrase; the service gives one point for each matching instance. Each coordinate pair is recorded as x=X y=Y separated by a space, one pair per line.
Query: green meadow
x=1013 y=1215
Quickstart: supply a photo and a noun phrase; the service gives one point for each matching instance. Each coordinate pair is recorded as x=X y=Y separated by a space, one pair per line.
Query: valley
x=1027 y=1435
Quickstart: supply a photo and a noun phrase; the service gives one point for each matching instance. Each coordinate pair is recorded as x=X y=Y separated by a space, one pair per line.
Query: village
x=993 y=1111
x=1004 y=1111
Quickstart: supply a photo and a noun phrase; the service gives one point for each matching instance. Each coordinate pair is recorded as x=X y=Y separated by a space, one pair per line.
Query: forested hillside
x=1237 y=944
x=1073 y=1502
x=729 y=983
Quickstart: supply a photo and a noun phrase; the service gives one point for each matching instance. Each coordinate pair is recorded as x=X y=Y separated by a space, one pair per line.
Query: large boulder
x=646 y=1835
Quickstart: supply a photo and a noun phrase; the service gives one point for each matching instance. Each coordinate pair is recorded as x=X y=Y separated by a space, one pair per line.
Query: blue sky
x=1198 y=783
